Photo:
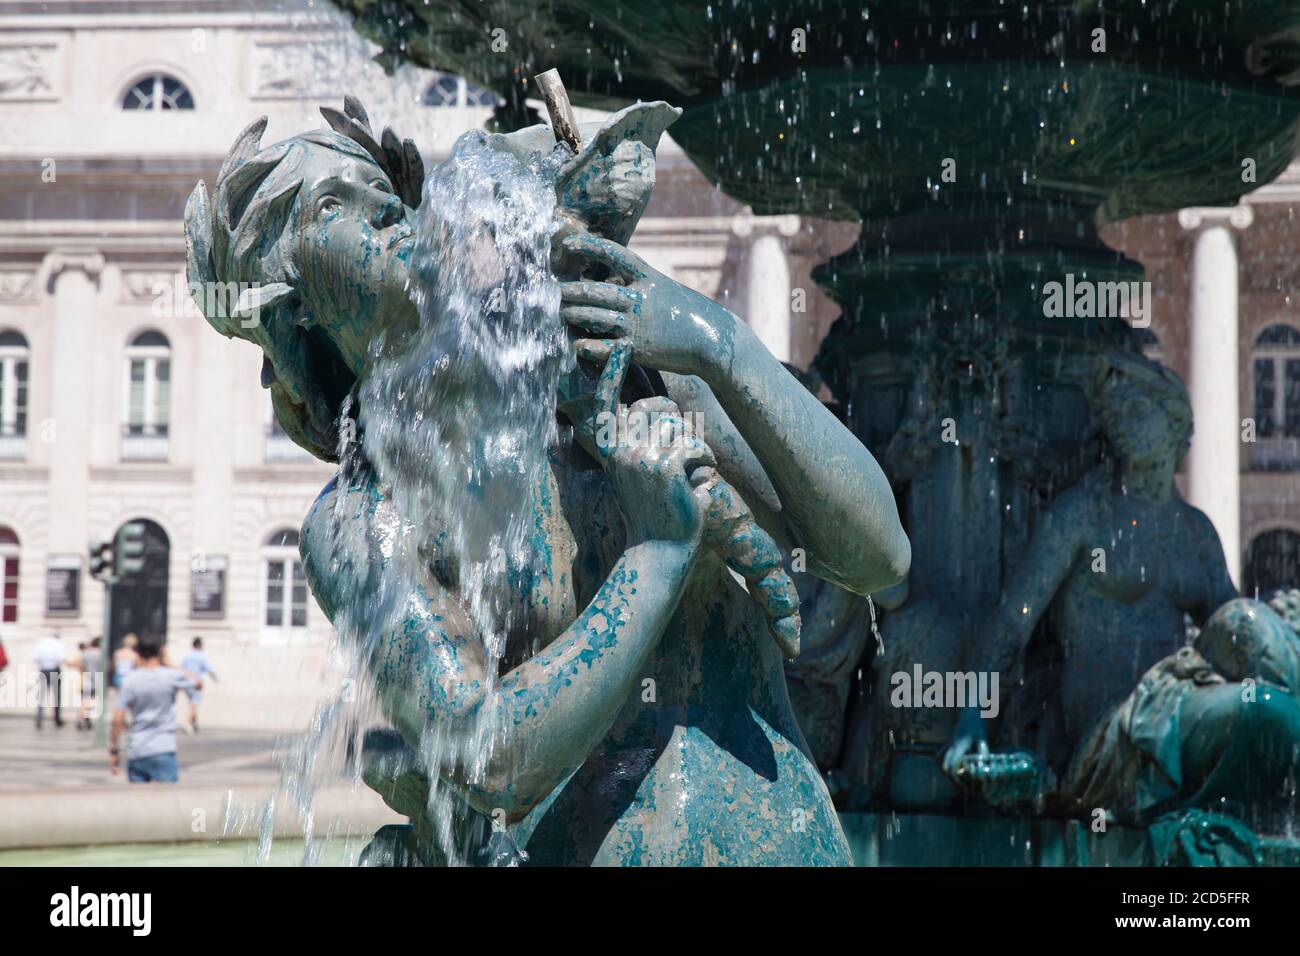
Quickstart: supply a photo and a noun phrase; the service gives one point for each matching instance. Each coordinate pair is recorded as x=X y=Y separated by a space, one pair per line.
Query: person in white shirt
x=48 y=658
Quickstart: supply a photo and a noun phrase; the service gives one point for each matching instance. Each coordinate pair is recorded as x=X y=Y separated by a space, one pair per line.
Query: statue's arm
x=511 y=744
x=1053 y=549
x=808 y=479
x=1219 y=589
x=736 y=460
x=835 y=500
x=829 y=495
x=1032 y=585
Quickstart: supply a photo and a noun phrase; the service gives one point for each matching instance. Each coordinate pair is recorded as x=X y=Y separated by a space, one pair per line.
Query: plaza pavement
x=56 y=791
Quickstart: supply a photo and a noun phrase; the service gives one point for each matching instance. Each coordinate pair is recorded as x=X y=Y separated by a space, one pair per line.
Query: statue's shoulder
x=1197 y=522
x=1079 y=501
x=342 y=505
x=313 y=522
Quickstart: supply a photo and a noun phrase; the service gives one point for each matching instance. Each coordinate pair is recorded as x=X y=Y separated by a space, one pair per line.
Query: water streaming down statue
x=591 y=682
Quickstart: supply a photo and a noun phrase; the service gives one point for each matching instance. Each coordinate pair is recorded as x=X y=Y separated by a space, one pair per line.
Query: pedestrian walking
x=49 y=657
x=92 y=665
x=196 y=662
x=125 y=658
x=146 y=714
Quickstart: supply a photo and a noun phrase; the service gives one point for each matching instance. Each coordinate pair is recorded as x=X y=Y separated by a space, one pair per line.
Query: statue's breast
x=1145 y=551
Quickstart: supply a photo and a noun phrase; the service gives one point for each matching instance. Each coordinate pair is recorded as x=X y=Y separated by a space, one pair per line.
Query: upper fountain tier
x=857 y=119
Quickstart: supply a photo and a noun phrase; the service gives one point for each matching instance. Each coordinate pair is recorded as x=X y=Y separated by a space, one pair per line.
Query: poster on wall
x=208 y=587
x=63 y=585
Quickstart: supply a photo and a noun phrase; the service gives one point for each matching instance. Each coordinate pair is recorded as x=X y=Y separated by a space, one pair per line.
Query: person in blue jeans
x=146 y=704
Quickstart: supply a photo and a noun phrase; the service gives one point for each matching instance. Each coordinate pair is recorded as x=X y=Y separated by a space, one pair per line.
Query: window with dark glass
x=158 y=92
x=13 y=384
x=148 y=401
x=286 y=582
x=8 y=576
x=1275 y=387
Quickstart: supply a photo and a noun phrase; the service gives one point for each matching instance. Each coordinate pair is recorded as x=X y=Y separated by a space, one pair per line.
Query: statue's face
x=1140 y=431
x=354 y=245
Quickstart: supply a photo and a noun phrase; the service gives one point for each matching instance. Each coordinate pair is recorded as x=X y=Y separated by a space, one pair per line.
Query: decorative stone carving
x=145 y=285
x=17 y=286
x=296 y=69
x=29 y=71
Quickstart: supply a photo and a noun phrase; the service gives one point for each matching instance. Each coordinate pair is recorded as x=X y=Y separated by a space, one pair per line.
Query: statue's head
x=315 y=232
x=1145 y=411
x=1248 y=639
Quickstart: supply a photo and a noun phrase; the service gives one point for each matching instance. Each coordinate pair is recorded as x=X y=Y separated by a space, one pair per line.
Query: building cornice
x=142 y=473
x=31 y=16
x=308 y=474
x=1284 y=189
x=161 y=237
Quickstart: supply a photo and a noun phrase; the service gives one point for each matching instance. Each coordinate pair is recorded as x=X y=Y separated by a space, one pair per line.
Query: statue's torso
x=1121 y=609
x=705 y=763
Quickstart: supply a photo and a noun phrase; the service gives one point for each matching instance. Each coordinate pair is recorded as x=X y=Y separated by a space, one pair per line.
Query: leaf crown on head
x=233 y=239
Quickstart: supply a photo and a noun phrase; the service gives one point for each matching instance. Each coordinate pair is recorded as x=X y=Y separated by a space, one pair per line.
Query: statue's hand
x=661 y=474
x=968 y=737
x=668 y=326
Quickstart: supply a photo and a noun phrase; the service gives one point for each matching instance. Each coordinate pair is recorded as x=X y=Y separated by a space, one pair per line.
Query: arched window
x=1272 y=562
x=284 y=609
x=13 y=393
x=157 y=91
x=8 y=575
x=1275 y=390
x=147 y=396
x=451 y=90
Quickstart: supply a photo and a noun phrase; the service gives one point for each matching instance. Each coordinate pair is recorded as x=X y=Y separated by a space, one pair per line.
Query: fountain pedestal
x=979 y=145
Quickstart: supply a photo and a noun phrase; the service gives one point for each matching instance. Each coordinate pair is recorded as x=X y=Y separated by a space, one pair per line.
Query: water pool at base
x=233 y=853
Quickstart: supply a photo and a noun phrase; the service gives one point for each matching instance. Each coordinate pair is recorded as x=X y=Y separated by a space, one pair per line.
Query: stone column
x=768 y=278
x=1214 y=460
x=72 y=277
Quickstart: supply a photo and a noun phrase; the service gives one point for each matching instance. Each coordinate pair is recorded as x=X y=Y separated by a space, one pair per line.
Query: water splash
x=455 y=421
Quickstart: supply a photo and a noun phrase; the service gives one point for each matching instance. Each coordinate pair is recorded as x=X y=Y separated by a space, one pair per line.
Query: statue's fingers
x=698 y=457
x=608 y=390
x=665 y=426
x=605 y=295
x=656 y=405
x=595 y=351
x=593 y=320
x=609 y=254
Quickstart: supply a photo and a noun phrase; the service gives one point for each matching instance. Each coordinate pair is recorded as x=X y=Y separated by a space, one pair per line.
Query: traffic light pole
x=105 y=669
x=110 y=562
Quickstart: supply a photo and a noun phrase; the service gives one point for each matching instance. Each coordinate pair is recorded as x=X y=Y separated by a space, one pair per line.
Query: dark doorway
x=140 y=601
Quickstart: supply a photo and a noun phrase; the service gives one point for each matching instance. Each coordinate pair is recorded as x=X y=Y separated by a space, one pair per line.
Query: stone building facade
x=119 y=404
x=1226 y=316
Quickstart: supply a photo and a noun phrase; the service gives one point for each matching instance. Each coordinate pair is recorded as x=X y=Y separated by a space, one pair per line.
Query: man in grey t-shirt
x=148 y=695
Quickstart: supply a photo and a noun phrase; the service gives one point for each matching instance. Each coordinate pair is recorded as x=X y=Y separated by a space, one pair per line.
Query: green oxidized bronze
x=944 y=322
x=850 y=111
x=641 y=713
